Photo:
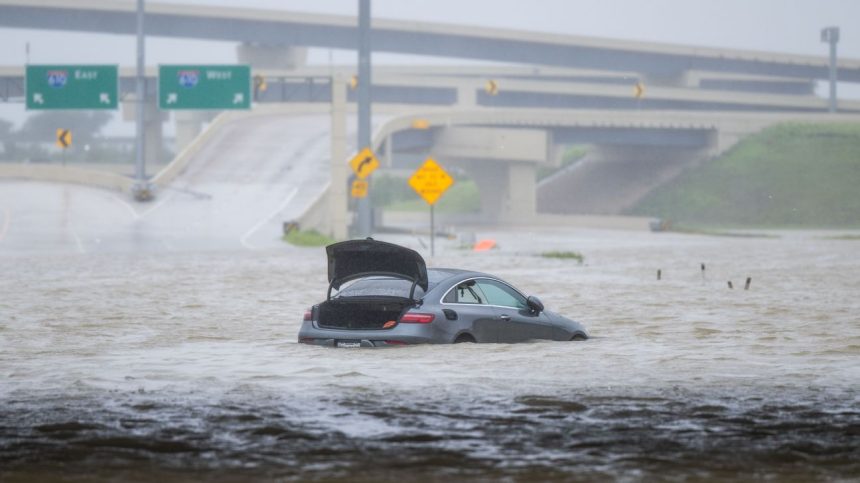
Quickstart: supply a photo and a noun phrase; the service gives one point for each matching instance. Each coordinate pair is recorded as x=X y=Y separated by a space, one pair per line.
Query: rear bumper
x=403 y=334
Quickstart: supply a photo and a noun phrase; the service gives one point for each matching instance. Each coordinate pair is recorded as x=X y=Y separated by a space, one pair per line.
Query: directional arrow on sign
x=491 y=87
x=238 y=98
x=37 y=98
x=64 y=138
x=104 y=98
x=639 y=90
x=172 y=98
x=364 y=163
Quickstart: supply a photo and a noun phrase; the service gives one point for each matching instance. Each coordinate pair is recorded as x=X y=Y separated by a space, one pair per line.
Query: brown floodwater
x=185 y=366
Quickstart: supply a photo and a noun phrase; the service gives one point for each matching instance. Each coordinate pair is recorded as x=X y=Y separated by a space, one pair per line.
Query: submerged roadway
x=234 y=194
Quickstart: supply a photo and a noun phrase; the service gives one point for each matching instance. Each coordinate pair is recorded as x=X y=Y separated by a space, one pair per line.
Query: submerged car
x=386 y=296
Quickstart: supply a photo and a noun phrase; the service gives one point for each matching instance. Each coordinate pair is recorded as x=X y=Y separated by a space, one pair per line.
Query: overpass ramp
x=230 y=190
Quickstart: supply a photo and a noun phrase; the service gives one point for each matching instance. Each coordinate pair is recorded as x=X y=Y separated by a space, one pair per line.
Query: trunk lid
x=354 y=259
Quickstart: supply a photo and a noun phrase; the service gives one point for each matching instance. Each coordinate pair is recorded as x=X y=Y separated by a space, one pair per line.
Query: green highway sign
x=204 y=87
x=72 y=87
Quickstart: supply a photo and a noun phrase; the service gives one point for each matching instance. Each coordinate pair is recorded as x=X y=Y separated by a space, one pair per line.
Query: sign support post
x=432 y=232
x=430 y=181
x=141 y=188
x=365 y=223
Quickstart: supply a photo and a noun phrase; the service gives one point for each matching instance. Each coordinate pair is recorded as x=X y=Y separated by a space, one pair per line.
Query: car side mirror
x=535 y=304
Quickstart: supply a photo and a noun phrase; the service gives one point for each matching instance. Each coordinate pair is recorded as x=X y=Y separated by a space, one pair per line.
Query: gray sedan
x=386 y=296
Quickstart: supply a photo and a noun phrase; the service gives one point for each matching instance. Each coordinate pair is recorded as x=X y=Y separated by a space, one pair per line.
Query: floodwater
x=185 y=366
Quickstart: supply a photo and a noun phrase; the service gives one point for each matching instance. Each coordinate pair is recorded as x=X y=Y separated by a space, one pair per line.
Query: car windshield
x=390 y=286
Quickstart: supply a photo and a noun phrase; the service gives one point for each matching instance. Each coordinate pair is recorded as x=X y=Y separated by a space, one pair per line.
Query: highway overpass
x=574 y=90
x=659 y=63
x=560 y=88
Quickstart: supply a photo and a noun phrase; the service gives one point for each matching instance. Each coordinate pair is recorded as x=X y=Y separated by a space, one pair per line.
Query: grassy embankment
x=788 y=176
x=309 y=238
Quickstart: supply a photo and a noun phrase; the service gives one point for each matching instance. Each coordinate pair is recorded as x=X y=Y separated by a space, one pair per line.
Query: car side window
x=500 y=294
x=465 y=293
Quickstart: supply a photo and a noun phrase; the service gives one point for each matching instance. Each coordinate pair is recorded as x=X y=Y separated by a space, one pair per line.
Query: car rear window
x=390 y=286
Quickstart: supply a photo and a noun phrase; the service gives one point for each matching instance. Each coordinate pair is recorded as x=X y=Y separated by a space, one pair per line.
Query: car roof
x=446 y=273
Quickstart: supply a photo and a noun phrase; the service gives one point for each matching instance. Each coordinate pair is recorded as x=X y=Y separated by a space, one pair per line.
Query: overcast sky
x=790 y=26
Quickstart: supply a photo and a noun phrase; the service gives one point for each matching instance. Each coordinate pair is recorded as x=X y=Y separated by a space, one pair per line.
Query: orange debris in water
x=484 y=245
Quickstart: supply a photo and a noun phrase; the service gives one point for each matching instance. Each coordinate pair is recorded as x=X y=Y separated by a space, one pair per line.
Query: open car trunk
x=361 y=313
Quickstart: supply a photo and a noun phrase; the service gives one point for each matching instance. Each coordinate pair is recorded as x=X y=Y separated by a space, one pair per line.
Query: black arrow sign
x=63 y=138
x=363 y=162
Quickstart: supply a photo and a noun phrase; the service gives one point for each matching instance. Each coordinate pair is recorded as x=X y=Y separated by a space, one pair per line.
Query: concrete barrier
x=180 y=162
x=66 y=174
x=316 y=216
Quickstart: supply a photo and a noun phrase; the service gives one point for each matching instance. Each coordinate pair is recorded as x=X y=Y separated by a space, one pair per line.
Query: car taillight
x=309 y=315
x=411 y=318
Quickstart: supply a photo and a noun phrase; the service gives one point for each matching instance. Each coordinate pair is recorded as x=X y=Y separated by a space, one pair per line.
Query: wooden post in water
x=730 y=284
x=659 y=273
x=747 y=285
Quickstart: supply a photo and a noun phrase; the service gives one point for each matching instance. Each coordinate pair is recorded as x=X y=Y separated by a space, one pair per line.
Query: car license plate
x=348 y=344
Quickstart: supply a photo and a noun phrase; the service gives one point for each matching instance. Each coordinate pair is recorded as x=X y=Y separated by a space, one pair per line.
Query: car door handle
x=505 y=317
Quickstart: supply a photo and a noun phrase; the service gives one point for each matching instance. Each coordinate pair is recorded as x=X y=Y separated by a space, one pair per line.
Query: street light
x=831 y=35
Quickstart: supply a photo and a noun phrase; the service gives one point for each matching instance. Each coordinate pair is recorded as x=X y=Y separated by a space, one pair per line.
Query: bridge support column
x=188 y=126
x=507 y=190
x=261 y=56
x=467 y=95
x=152 y=124
x=337 y=196
x=521 y=202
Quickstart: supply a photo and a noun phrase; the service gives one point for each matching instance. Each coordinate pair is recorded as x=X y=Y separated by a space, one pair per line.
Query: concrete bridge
x=278 y=37
x=502 y=149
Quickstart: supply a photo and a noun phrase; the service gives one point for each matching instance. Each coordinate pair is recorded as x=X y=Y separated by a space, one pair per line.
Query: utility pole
x=831 y=35
x=365 y=223
x=141 y=186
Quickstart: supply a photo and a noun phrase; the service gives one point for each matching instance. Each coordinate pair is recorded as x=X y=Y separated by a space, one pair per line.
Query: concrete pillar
x=337 y=196
x=492 y=180
x=271 y=56
x=507 y=189
x=153 y=119
x=467 y=95
x=389 y=152
x=188 y=126
x=521 y=201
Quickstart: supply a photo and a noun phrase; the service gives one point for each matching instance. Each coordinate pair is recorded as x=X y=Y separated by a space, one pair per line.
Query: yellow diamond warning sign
x=430 y=181
x=364 y=163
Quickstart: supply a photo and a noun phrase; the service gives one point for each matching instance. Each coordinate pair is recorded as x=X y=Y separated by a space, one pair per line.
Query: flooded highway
x=184 y=365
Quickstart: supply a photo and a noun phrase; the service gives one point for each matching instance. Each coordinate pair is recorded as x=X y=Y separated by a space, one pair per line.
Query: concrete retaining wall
x=66 y=174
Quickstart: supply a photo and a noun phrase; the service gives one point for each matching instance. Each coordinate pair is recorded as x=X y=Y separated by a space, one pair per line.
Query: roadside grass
x=792 y=175
x=461 y=197
x=841 y=237
x=309 y=238
x=564 y=255
x=571 y=155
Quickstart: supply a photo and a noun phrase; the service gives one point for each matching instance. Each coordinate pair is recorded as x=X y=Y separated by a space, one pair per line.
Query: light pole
x=831 y=35
x=141 y=190
x=364 y=222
